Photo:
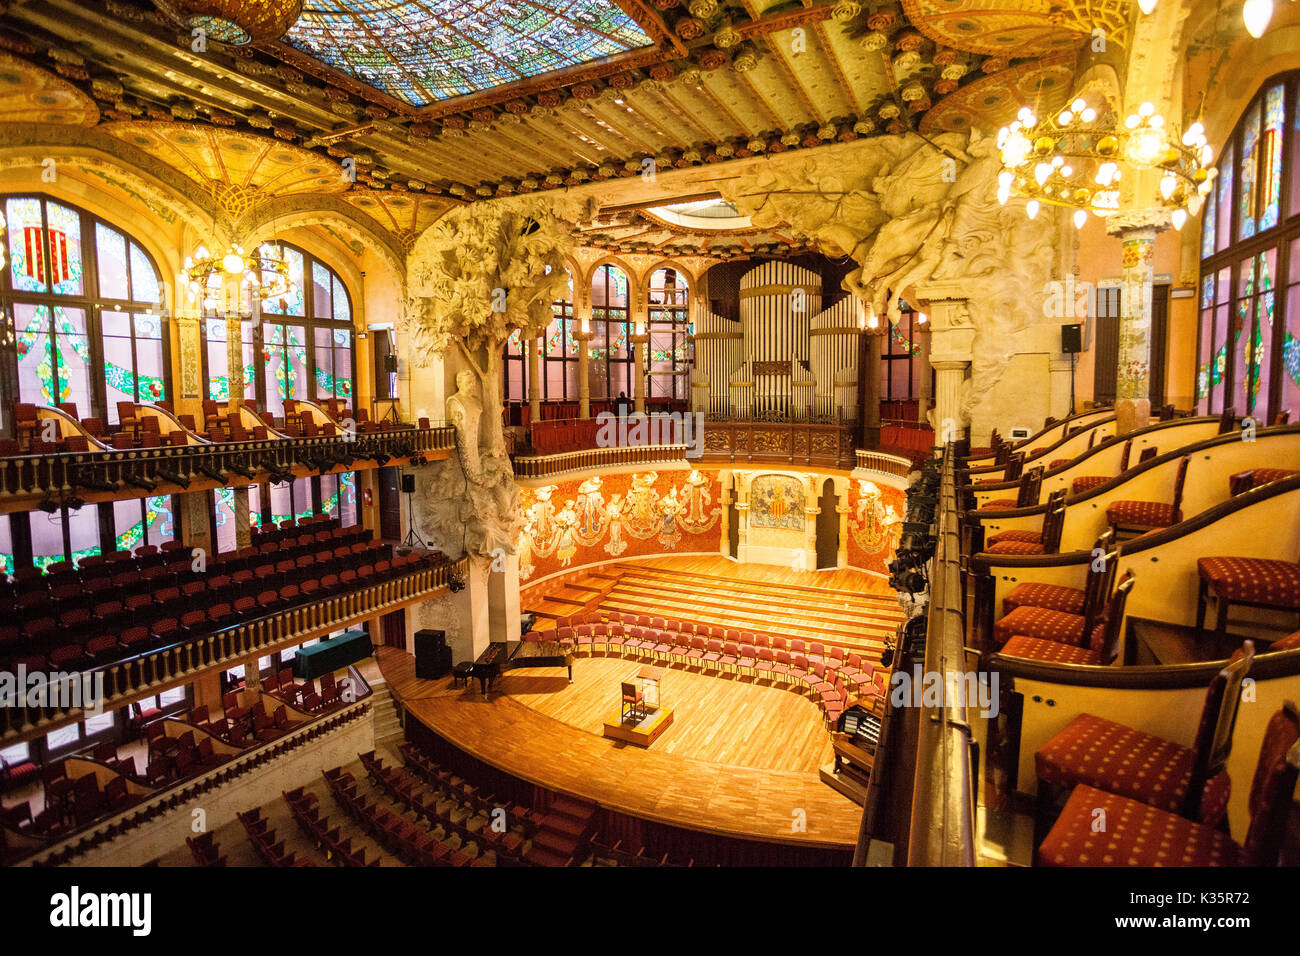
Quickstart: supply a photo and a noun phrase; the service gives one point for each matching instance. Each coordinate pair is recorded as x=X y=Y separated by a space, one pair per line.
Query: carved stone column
x=243 y=524
x=923 y=369
x=503 y=597
x=583 y=337
x=952 y=337
x=871 y=402
x=742 y=518
x=724 y=539
x=534 y=348
x=640 y=342
x=1137 y=231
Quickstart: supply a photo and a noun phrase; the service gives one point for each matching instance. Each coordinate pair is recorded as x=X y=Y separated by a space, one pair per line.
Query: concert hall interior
x=649 y=433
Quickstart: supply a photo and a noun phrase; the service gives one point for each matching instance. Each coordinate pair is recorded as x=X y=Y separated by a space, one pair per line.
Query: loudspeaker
x=408 y=484
x=432 y=655
x=390 y=363
x=1071 y=339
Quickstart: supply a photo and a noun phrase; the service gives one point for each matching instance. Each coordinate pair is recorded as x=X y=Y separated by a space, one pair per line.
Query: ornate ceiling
x=453 y=110
x=427 y=50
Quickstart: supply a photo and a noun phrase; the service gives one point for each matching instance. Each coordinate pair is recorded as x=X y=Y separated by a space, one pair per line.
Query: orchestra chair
x=633 y=702
x=1191 y=782
x=1137 y=834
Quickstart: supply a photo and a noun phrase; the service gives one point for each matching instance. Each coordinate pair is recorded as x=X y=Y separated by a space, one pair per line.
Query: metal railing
x=149 y=673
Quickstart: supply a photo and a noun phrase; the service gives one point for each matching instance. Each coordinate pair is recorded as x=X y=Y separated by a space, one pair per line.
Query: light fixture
x=263 y=275
x=1076 y=158
x=1178 y=217
x=1256 y=14
x=1146 y=6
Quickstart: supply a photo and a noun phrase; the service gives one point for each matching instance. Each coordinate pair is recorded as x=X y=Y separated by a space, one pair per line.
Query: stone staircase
x=387 y=724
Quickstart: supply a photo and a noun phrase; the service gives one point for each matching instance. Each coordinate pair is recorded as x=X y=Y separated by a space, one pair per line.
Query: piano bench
x=461 y=673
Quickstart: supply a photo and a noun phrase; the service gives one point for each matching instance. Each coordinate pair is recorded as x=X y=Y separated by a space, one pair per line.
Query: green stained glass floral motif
x=1291 y=357
x=437 y=49
x=327 y=383
x=155 y=508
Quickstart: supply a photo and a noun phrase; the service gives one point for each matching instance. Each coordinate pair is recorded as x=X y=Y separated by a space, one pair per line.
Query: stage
x=739 y=760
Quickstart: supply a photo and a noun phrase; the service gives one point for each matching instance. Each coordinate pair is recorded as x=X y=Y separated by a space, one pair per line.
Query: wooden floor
x=843 y=606
x=739 y=760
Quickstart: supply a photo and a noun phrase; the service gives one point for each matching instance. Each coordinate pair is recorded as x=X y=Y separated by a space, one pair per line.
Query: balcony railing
x=100 y=475
x=546 y=466
x=829 y=445
x=147 y=674
x=883 y=462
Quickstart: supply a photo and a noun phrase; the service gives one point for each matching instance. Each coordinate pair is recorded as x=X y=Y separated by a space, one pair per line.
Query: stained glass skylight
x=421 y=51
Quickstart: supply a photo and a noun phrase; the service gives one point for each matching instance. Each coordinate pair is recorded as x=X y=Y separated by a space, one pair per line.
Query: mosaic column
x=1137 y=232
x=243 y=529
x=583 y=337
x=640 y=343
x=235 y=339
x=534 y=347
x=923 y=367
x=871 y=413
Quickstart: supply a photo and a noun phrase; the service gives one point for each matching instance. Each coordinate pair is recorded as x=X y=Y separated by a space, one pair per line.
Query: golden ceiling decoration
x=29 y=94
x=1035 y=28
x=406 y=215
x=239 y=169
x=994 y=100
x=236 y=22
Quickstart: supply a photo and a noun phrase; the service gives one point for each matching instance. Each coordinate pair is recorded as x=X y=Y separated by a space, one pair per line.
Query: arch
x=89 y=308
x=633 y=282
x=692 y=280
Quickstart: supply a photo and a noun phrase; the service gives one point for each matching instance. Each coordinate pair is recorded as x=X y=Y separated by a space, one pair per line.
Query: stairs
x=387 y=723
x=858 y=622
x=563 y=834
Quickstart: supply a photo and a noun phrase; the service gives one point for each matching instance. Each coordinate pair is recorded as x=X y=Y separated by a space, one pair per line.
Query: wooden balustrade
x=883 y=462
x=829 y=445
x=111 y=473
x=546 y=466
x=154 y=671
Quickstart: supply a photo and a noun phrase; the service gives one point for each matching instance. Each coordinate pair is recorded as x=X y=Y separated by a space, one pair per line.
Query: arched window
x=303 y=347
x=560 y=351
x=670 y=330
x=611 y=346
x=1248 y=355
x=86 y=305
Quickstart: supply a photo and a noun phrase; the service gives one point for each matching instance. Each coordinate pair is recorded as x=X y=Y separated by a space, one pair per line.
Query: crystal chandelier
x=1077 y=158
x=263 y=276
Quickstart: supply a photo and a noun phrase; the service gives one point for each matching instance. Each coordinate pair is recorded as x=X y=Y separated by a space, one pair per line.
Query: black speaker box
x=408 y=484
x=1071 y=339
x=432 y=655
x=390 y=363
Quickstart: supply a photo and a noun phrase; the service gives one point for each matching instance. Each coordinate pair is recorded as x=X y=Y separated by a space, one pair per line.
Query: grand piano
x=500 y=657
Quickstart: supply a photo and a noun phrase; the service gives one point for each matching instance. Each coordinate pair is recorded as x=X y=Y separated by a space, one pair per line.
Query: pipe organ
x=787 y=357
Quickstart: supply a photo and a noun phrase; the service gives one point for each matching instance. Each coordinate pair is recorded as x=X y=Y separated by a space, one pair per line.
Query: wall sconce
x=922 y=318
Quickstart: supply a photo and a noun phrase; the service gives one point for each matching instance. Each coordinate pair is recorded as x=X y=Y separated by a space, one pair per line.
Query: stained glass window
x=143 y=521
x=6 y=546
x=1249 y=357
x=224 y=509
x=669 y=349
x=437 y=49
x=611 y=346
x=51 y=298
x=309 y=359
x=1247 y=184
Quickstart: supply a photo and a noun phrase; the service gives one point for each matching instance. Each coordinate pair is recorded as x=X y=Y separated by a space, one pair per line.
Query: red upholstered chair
x=713 y=653
x=747 y=659
x=765 y=666
x=699 y=647
x=1189 y=781
x=1088 y=482
x=1138 y=834
x=781 y=666
x=1046 y=540
x=633 y=702
x=1144 y=516
x=730 y=656
x=1251 y=582
x=1031 y=483
x=1011 y=471
x=1101 y=650
x=1061 y=626
x=1054 y=597
x=26 y=423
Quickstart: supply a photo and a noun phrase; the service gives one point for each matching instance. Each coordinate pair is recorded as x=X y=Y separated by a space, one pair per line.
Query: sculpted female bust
x=465 y=412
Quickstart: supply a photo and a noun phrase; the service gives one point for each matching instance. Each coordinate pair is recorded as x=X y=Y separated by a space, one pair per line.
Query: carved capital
x=1138 y=223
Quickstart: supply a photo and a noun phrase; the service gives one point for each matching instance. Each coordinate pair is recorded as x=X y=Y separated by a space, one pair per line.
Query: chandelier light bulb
x=233 y=263
x=1058 y=161
x=1031 y=208
x=1146 y=6
x=1080 y=217
x=1067 y=171
x=1156 y=122
x=1005 y=178
x=1088 y=115
x=1179 y=217
x=1065 y=118
x=1168 y=183
x=1078 y=105
x=1257 y=13
x=1132 y=121
x=1207 y=156
x=1026 y=116
x=1041 y=172
x=1147 y=109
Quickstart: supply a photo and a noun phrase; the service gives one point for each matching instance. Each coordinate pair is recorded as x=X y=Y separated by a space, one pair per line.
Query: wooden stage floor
x=740 y=759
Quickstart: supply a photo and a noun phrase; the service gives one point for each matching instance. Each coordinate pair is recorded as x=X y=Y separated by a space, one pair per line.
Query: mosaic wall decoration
x=604 y=517
x=875 y=524
x=776 y=501
x=437 y=49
